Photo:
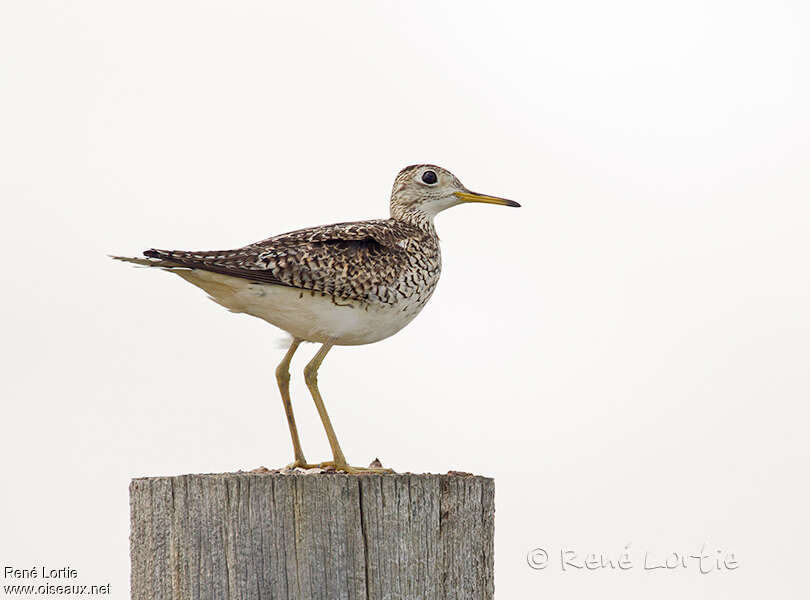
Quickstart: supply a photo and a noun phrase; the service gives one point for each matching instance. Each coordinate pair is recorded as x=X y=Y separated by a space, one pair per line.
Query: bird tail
x=150 y=262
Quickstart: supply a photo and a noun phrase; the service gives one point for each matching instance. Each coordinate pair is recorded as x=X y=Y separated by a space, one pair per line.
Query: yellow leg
x=283 y=379
x=311 y=377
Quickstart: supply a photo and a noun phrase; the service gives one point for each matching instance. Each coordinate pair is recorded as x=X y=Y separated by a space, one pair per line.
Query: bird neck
x=413 y=217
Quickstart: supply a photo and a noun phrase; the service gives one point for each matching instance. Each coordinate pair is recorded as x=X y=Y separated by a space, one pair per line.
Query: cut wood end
x=375 y=464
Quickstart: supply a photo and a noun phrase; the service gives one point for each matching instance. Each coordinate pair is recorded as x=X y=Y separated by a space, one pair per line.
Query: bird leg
x=311 y=377
x=283 y=379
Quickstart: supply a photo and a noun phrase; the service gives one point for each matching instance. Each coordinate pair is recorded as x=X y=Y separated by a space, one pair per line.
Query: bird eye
x=429 y=177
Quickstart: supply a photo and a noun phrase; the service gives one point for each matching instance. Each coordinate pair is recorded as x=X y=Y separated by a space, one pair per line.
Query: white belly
x=306 y=315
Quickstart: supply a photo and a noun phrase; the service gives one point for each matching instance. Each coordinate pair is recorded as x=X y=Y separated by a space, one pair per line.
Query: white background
x=627 y=354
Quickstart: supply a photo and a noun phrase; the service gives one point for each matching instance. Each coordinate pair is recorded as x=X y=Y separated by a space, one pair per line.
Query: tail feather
x=149 y=262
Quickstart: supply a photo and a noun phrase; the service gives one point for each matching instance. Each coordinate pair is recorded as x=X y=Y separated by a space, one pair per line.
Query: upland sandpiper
x=339 y=285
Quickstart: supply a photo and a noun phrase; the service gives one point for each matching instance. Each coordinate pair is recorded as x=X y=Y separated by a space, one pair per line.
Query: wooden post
x=300 y=536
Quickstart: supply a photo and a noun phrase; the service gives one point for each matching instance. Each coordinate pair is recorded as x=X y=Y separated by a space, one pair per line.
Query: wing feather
x=349 y=260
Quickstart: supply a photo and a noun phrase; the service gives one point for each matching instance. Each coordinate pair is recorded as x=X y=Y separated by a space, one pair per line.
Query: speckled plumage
x=313 y=282
x=384 y=261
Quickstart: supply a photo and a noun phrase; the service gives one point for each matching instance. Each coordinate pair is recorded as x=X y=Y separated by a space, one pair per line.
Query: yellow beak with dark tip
x=472 y=197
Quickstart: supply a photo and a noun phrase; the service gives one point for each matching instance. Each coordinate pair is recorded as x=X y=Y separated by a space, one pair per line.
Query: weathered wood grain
x=328 y=536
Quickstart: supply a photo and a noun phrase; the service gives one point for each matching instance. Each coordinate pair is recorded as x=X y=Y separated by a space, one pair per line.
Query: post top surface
x=318 y=473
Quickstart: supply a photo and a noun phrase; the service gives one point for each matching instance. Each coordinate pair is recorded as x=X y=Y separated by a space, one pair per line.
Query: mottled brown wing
x=345 y=259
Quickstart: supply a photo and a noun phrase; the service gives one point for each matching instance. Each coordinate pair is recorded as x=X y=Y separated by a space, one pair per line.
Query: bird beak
x=468 y=196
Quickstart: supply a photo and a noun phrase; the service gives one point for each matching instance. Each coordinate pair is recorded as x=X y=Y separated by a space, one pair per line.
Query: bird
x=343 y=284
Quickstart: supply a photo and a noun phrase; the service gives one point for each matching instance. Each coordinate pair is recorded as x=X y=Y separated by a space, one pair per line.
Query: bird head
x=426 y=190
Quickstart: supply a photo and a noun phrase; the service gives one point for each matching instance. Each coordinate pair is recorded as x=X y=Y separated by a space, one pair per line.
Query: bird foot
x=375 y=468
x=302 y=464
x=360 y=470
